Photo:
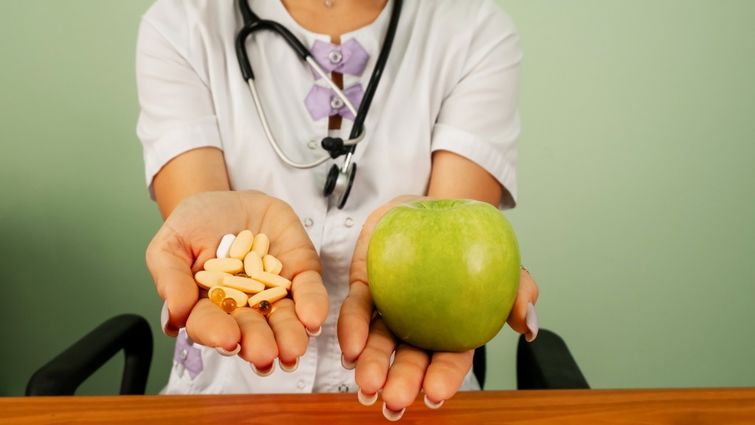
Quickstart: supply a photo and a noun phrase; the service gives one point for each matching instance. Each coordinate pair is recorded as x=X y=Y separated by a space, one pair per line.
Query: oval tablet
x=225 y=245
x=225 y=265
x=207 y=279
x=272 y=280
x=241 y=245
x=237 y=295
x=243 y=284
x=270 y=295
x=261 y=244
x=252 y=263
x=272 y=264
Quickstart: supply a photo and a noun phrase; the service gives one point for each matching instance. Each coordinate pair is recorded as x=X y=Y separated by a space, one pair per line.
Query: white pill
x=225 y=246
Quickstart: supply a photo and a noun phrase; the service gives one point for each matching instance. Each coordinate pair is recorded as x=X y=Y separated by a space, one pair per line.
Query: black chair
x=543 y=364
x=128 y=332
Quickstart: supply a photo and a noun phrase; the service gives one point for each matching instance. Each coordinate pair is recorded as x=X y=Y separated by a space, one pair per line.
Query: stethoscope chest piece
x=339 y=183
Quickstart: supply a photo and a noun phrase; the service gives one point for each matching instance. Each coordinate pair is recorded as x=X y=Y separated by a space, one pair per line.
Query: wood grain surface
x=683 y=406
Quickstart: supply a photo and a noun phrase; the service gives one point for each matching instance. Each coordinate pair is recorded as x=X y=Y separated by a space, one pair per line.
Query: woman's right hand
x=190 y=236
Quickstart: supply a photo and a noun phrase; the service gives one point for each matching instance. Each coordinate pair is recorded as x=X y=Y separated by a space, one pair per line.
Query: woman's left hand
x=368 y=345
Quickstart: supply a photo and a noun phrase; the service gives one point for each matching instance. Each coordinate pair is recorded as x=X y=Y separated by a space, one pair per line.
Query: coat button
x=349 y=222
x=308 y=222
x=184 y=354
x=335 y=56
x=312 y=144
x=301 y=384
x=336 y=103
x=343 y=388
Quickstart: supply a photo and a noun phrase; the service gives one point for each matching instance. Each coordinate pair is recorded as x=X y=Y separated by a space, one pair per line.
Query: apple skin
x=444 y=273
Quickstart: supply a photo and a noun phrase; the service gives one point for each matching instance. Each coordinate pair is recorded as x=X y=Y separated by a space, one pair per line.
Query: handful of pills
x=243 y=273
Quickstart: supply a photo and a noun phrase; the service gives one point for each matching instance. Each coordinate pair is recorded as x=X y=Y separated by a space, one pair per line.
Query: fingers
x=257 y=339
x=212 y=327
x=374 y=361
x=405 y=377
x=310 y=299
x=445 y=374
x=526 y=294
x=354 y=321
x=170 y=263
x=289 y=332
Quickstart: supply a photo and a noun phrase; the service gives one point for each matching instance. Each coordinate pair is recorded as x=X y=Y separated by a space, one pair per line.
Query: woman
x=443 y=123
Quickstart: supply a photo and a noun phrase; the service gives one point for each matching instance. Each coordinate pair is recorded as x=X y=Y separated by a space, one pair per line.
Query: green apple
x=444 y=273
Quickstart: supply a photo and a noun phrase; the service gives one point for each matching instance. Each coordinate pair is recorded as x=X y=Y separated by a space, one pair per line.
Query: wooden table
x=688 y=406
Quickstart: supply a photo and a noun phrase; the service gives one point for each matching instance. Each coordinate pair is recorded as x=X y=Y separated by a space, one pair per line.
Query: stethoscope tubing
x=274 y=143
x=303 y=53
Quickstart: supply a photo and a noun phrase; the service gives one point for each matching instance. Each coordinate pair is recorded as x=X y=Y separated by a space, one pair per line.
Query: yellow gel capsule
x=207 y=279
x=264 y=307
x=241 y=245
x=217 y=295
x=261 y=244
x=270 y=295
x=252 y=263
x=272 y=280
x=243 y=284
x=238 y=296
x=228 y=305
x=225 y=265
x=272 y=264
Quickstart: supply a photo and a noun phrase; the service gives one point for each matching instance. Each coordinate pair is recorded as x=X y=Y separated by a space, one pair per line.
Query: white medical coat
x=451 y=83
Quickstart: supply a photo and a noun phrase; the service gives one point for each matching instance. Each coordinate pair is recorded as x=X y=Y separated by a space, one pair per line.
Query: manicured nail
x=346 y=364
x=533 y=325
x=164 y=315
x=265 y=372
x=227 y=353
x=392 y=415
x=366 y=400
x=289 y=368
x=315 y=333
x=431 y=405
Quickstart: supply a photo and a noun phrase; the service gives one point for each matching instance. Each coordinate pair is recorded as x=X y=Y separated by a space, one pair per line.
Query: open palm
x=190 y=236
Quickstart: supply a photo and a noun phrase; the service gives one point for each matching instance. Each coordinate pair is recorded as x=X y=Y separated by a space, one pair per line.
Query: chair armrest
x=63 y=374
x=546 y=363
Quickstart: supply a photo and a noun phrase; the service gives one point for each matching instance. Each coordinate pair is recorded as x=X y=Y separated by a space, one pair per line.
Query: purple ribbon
x=347 y=58
x=188 y=356
x=322 y=102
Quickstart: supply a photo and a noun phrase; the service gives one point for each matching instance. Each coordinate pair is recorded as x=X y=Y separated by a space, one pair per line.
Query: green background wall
x=637 y=186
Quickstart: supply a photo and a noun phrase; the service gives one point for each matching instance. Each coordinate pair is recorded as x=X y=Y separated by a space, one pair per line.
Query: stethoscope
x=339 y=180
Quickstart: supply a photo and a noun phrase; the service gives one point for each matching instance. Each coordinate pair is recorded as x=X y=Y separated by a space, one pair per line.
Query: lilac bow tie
x=188 y=356
x=347 y=58
x=322 y=102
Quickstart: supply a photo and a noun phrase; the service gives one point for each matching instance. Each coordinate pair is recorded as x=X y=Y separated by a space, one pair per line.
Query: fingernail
x=431 y=405
x=392 y=415
x=289 y=369
x=265 y=372
x=315 y=333
x=366 y=400
x=533 y=325
x=164 y=315
x=346 y=364
x=227 y=353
